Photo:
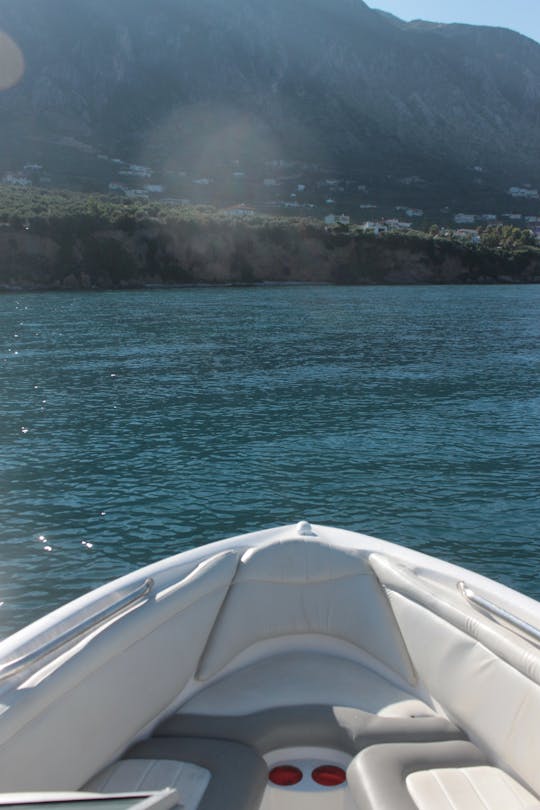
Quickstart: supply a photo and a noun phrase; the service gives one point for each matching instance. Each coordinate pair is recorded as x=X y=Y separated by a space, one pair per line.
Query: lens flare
x=11 y=62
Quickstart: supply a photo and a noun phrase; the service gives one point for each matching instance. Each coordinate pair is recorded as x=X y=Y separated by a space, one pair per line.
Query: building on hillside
x=376 y=228
x=525 y=193
x=241 y=210
x=340 y=219
x=464 y=219
x=118 y=187
x=414 y=180
x=154 y=188
x=397 y=225
x=468 y=235
x=174 y=201
x=414 y=212
x=17 y=179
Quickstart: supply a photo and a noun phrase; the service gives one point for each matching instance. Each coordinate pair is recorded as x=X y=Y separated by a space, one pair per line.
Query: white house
x=154 y=188
x=340 y=219
x=414 y=212
x=467 y=235
x=527 y=193
x=174 y=201
x=16 y=180
x=118 y=187
x=241 y=210
x=397 y=225
x=202 y=181
x=374 y=227
x=464 y=219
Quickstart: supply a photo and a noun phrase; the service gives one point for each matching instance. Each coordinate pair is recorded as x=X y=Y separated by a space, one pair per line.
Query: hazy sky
x=520 y=15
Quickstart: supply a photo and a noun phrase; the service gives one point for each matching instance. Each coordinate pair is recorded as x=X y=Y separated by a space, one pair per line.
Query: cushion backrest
x=305 y=587
x=486 y=677
x=75 y=715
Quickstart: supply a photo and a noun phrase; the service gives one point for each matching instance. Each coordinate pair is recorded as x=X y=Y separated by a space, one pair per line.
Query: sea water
x=134 y=425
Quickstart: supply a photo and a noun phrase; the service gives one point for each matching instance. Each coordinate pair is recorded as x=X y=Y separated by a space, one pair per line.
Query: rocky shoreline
x=223 y=252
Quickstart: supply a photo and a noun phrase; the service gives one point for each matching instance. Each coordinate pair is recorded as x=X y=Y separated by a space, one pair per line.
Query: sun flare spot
x=11 y=62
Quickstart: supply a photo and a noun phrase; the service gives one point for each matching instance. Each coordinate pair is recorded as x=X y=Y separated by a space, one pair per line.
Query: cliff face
x=325 y=80
x=215 y=253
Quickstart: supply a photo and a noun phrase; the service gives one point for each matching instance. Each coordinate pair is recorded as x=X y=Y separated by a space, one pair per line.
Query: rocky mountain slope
x=332 y=82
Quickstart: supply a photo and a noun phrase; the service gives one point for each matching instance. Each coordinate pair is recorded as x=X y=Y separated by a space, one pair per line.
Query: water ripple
x=135 y=425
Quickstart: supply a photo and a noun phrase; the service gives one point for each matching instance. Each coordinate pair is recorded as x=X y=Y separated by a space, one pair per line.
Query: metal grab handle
x=85 y=626
x=501 y=613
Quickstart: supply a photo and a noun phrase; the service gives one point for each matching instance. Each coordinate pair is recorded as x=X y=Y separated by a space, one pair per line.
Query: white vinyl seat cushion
x=299 y=678
x=129 y=775
x=338 y=727
x=207 y=774
x=295 y=588
x=450 y=775
x=480 y=788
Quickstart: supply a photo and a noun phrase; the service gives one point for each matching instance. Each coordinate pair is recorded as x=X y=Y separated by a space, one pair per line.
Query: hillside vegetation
x=74 y=241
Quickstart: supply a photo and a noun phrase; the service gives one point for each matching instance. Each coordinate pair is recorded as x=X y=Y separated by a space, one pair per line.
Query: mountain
x=196 y=84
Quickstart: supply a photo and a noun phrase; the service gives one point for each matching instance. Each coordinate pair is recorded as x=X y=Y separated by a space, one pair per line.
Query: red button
x=285 y=775
x=329 y=775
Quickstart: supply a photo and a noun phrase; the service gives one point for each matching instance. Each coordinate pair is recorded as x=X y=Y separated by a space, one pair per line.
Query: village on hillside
x=284 y=187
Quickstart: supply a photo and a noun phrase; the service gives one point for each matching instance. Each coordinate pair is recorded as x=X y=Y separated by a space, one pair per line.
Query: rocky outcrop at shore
x=219 y=252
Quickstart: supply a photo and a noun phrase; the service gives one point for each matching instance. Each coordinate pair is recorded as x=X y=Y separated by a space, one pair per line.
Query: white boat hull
x=288 y=643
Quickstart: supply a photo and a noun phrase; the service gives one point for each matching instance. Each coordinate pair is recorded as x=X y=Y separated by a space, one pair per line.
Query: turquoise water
x=137 y=424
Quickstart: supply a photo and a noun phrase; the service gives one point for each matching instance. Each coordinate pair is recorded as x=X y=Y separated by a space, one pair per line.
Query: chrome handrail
x=501 y=613
x=82 y=628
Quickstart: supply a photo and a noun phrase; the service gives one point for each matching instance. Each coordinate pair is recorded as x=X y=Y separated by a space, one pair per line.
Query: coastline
x=69 y=242
x=158 y=256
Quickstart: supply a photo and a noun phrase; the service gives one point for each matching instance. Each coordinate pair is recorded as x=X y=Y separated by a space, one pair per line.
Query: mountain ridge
x=338 y=84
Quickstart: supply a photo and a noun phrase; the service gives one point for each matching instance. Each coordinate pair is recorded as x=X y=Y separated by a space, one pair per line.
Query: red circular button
x=285 y=775
x=329 y=775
